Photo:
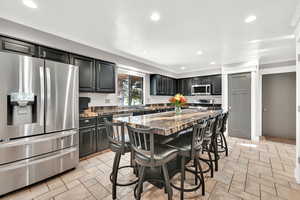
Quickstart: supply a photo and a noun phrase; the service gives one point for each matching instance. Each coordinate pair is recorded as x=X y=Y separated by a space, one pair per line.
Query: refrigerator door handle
x=48 y=94
x=42 y=95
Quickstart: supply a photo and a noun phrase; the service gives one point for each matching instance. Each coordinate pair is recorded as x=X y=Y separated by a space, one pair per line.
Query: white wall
x=297 y=169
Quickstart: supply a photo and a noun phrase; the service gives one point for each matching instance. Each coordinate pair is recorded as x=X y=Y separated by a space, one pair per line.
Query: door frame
x=273 y=70
x=251 y=67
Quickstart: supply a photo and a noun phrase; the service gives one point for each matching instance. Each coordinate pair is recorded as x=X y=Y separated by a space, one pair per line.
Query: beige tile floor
x=254 y=170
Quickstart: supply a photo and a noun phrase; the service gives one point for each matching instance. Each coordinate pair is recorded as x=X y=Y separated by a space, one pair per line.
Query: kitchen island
x=166 y=126
x=168 y=123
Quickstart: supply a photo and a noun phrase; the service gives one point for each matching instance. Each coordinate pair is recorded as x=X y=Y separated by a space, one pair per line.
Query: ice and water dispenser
x=21 y=108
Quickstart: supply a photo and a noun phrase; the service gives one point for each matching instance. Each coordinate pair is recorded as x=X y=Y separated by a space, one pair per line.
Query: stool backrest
x=210 y=127
x=219 y=123
x=224 y=121
x=198 y=137
x=142 y=141
x=115 y=132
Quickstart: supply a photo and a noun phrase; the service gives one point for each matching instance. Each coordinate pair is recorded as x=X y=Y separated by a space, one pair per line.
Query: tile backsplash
x=99 y=99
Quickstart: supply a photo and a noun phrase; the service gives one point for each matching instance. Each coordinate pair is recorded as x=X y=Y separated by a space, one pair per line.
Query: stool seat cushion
x=162 y=154
x=116 y=146
x=182 y=143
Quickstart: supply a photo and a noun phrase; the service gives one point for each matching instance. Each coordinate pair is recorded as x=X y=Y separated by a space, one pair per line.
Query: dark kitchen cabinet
x=105 y=77
x=53 y=54
x=185 y=86
x=102 y=139
x=86 y=72
x=17 y=46
x=87 y=141
x=216 y=85
x=162 y=85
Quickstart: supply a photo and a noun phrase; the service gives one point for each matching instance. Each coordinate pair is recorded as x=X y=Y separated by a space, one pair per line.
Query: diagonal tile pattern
x=253 y=171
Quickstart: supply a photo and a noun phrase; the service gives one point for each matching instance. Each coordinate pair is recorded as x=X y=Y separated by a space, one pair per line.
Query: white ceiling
x=124 y=27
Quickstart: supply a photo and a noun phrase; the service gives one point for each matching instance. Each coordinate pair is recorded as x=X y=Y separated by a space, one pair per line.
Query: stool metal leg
x=216 y=156
x=167 y=182
x=202 y=176
x=225 y=142
x=182 y=177
x=211 y=164
x=196 y=170
x=115 y=174
x=140 y=183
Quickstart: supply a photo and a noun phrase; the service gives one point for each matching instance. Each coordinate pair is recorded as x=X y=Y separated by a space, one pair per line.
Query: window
x=130 y=89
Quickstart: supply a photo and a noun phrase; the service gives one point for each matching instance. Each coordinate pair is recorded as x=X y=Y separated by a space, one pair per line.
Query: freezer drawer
x=23 y=173
x=28 y=147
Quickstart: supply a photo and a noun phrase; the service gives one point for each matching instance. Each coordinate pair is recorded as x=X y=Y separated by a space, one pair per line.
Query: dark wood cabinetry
x=216 y=83
x=105 y=77
x=87 y=75
x=17 y=46
x=162 y=85
x=185 y=86
x=53 y=54
x=94 y=75
x=92 y=135
x=102 y=139
x=87 y=141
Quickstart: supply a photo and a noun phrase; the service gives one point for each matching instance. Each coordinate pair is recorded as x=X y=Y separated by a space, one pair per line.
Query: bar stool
x=119 y=143
x=149 y=154
x=210 y=144
x=222 y=143
x=189 y=147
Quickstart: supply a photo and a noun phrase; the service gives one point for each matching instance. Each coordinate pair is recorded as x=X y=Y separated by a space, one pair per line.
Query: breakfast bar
x=166 y=127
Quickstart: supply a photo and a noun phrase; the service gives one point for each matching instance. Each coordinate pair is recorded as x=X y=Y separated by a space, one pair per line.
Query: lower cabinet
x=102 y=142
x=87 y=141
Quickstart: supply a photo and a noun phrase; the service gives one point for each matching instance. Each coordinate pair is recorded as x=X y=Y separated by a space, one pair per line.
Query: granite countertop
x=167 y=123
x=121 y=110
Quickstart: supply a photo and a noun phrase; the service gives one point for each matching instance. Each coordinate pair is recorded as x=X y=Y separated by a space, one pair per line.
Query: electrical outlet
x=107 y=100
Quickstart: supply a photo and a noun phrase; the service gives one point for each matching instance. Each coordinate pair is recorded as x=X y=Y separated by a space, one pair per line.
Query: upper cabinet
x=87 y=74
x=185 y=86
x=53 y=54
x=105 y=77
x=216 y=83
x=162 y=85
x=17 y=46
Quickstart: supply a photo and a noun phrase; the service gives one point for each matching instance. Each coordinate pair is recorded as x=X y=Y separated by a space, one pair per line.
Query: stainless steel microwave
x=201 y=89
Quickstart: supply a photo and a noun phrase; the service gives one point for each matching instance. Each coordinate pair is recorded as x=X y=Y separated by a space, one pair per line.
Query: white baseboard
x=297 y=174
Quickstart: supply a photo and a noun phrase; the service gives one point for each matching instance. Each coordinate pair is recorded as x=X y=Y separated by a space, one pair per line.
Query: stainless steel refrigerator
x=38 y=120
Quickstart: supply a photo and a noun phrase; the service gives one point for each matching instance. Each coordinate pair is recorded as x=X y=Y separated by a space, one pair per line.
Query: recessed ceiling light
x=250 y=19
x=199 y=52
x=30 y=3
x=212 y=63
x=155 y=16
x=182 y=68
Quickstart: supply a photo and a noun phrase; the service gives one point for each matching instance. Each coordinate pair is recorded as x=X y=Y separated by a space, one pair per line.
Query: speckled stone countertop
x=167 y=123
x=122 y=110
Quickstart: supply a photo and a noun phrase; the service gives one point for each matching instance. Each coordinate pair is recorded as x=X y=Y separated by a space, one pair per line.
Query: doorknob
x=265 y=109
x=229 y=108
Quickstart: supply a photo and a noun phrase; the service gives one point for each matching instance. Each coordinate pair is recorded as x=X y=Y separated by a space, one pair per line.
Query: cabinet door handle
x=44 y=54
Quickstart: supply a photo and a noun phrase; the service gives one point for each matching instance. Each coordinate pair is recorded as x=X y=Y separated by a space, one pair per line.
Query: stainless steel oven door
x=26 y=172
